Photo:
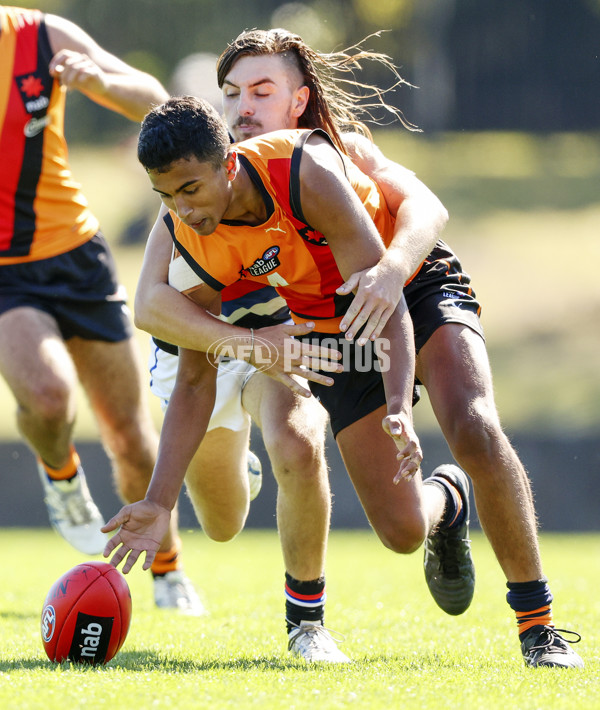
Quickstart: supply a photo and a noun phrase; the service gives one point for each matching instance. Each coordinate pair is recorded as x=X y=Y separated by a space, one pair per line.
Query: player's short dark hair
x=181 y=128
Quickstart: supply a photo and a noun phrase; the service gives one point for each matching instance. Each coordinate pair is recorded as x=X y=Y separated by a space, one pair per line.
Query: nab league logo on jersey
x=36 y=99
x=268 y=262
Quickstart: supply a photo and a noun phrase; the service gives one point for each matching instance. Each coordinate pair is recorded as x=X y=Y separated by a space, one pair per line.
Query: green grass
x=406 y=652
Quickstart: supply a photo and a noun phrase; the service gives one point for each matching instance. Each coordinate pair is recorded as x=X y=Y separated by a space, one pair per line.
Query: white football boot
x=73 y=513
x=174 y=590
x=313 y=642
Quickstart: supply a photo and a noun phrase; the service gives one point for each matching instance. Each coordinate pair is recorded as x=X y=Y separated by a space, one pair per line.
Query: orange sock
x=537 y=617
x=67 y=471
x=457 y=502
x=167 y=561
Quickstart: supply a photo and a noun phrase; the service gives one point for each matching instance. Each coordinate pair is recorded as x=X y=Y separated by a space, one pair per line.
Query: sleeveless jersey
x=244 y=303
x=43 y=212
x=284 y=252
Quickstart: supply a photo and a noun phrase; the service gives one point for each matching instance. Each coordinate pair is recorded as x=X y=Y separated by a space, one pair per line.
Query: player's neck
x=247 y=204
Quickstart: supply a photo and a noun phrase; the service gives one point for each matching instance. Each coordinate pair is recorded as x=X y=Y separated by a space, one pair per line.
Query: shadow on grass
x=143 y=662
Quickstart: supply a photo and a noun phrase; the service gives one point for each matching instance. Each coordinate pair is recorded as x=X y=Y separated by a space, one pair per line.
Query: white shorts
x=232 y=377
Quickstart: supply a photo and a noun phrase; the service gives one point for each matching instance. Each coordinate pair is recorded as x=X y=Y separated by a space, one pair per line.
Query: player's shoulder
x=274 y=141
x=359 y=147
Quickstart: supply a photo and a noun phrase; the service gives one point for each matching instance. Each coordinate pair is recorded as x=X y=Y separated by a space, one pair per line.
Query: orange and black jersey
x=284 y=252
x=42 y=210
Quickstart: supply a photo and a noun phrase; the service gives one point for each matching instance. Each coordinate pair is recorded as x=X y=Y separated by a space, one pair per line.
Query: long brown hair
x=336 y=103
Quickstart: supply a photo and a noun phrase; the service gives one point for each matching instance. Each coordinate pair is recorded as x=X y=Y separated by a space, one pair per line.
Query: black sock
x=304 y=601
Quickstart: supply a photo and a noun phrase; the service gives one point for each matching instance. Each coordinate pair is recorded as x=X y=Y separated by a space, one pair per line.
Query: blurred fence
x=564 y=474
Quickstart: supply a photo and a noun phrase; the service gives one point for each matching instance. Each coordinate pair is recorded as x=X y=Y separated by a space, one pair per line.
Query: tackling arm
x=420 y=216
x=184 y=320
x=420 y=219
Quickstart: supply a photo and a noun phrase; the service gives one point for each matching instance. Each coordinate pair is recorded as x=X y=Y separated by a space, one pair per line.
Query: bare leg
x=293 y=430
x=38 y=369
x=454 y=367
x=111 y=376
x=402 y=515
x=217 y=483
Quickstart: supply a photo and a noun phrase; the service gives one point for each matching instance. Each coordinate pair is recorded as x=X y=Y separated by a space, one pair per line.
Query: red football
x=86 y=614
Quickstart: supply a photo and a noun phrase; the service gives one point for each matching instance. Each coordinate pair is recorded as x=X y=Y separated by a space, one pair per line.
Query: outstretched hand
x=409 y=454
x=143 y=525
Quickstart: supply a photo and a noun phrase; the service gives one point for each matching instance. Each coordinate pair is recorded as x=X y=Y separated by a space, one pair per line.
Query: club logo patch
x=36 y=96
x=265 y=264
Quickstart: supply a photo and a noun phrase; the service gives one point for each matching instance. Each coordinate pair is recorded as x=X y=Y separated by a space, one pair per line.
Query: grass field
x=406 y=652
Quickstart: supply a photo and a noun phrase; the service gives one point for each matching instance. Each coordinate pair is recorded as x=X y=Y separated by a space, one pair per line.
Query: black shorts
x=79 y=289
x=441 y=293
x=358 y=390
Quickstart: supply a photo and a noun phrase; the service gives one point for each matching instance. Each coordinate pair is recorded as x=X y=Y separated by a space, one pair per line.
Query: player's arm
x=163 y=311
x=80 y=63
x=142 y=525
x=332 y=207
x=420 y=219
x=183 y=320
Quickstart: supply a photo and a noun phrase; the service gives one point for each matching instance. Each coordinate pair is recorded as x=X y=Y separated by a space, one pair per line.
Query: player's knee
x=220 y=523
x=477 y=439
x=405 y=536
x=223 y=530
x=52 y=402
x=295 y=455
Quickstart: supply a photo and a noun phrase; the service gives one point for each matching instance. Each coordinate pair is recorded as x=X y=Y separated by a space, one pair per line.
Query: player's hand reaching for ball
x=142 y=527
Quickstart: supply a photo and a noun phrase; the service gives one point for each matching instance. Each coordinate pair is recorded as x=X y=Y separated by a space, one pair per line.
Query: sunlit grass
x=405 y=651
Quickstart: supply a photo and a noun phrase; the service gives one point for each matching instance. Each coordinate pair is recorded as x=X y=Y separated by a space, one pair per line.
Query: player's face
x=262 y=94
x=198 y=193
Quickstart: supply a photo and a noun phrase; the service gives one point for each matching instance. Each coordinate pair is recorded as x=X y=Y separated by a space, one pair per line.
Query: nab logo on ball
x=86 y=614
x=91 y=639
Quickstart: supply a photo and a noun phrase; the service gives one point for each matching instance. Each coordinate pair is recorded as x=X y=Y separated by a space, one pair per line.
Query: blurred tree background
x=479 y=64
